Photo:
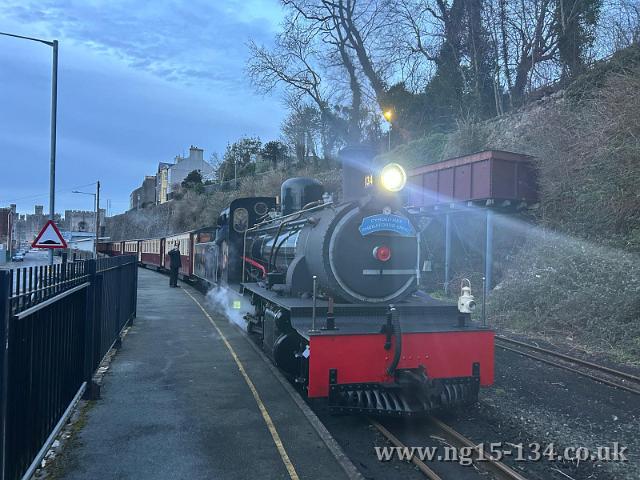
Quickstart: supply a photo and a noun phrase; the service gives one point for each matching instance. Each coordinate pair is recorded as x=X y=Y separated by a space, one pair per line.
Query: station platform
x=188 y=397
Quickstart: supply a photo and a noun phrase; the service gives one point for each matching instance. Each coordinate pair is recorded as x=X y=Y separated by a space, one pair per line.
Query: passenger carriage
x=185 y=242
x=151 y=252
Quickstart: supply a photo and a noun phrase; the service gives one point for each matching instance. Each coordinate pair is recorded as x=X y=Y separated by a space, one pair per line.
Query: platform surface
x=174 y=404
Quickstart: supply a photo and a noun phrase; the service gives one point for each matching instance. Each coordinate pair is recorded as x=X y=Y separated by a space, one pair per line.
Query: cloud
x=197 y=41
x=139 y=82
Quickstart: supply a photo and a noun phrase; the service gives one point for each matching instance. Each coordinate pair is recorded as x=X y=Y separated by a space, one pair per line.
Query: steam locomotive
x=332 y=297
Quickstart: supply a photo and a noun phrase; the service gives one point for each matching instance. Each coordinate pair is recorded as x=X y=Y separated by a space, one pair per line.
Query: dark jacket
x=174 y=258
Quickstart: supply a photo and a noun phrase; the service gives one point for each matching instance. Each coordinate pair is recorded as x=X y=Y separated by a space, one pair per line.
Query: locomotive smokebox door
x=378 y=266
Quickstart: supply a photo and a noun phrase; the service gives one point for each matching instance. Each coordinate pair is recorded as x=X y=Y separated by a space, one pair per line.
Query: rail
x=482 y=460
x=56 y=324
x=599 y=373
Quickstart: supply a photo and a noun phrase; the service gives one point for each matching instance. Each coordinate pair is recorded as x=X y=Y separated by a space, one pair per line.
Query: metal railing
x=116 y=286
x=31 y=286
x=56 y=324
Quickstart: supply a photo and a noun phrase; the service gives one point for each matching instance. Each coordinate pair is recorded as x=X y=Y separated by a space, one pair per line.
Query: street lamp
x=96 y=206
x=54 y=109
x=388 y=115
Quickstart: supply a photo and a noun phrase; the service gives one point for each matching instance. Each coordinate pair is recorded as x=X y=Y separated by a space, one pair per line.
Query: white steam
x=229 y=302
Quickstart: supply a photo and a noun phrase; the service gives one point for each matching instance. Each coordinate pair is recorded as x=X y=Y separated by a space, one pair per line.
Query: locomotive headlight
x=393 y=177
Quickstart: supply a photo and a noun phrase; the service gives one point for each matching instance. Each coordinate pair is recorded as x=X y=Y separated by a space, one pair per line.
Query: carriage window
x=240 y=220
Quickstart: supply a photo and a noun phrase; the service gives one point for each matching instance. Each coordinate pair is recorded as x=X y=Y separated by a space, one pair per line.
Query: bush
x=562 y=285
x=428 y=149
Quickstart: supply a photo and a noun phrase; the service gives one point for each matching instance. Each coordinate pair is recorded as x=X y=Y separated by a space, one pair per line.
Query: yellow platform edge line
x=263 y=409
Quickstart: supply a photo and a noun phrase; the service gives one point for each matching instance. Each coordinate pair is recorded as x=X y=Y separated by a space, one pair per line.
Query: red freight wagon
x=487 y=175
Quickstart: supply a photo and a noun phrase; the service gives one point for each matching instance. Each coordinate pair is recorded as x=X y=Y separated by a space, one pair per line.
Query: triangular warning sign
x=49 y=237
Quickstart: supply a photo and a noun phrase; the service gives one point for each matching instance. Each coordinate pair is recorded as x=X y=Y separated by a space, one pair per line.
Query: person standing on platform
x=174 y=265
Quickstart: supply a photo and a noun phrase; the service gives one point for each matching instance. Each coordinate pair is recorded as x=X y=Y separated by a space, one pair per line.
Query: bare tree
x=618 y=26
x=352 y=26
x=293 y=62
x=528 y=38
x=414 y=41
x=337 y=53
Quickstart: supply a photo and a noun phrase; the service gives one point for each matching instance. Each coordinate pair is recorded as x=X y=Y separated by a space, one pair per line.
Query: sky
x=138 y=83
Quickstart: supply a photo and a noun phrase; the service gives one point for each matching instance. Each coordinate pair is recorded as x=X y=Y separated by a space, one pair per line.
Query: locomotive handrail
x=274 y=227
x=317 y=207
x=260 y=267
x=275 y=239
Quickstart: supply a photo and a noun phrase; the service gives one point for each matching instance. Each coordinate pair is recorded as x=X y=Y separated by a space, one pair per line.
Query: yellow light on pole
x=388 y=115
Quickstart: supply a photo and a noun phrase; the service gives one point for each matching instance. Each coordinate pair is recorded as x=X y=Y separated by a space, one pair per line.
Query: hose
x=275 y=239
x=313 y=204
x=397 y=332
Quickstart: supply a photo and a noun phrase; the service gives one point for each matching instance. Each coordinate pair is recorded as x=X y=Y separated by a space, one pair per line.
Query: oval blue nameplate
x=386 y=223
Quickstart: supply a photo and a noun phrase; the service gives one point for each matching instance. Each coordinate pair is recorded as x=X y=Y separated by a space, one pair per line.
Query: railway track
x=484 y=461
x=599 y=373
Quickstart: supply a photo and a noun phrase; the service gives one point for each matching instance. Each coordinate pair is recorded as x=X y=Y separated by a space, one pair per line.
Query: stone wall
x=150 y=222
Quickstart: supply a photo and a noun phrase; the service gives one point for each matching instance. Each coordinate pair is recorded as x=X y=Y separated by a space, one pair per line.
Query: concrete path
x=175 y=405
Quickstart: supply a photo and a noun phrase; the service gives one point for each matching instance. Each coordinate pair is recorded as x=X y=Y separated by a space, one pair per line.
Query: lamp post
x=9 y=234
x=96 y=206
x=54 y=109
x=388 y=115
x=235 y=173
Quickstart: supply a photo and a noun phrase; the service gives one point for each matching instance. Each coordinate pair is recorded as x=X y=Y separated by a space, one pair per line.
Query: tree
x=215 y=161
x=193 y=181
x=445 y=49
x=320 y=40
x=351 y=26
x=292 y=62
x=433 y=62
x=239 y=158
x=275 y=152
x=574 y=24
x=301 y=129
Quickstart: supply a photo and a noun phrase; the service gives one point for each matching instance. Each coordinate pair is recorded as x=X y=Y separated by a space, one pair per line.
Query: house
x=145 y=195
x=185 y=165
x=157 y=189
x=162 y=182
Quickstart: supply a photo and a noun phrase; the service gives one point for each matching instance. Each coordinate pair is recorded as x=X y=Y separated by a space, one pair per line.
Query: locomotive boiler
x=358 y=252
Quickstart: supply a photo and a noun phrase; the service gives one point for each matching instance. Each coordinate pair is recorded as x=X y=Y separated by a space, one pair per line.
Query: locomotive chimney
x=356 y=167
